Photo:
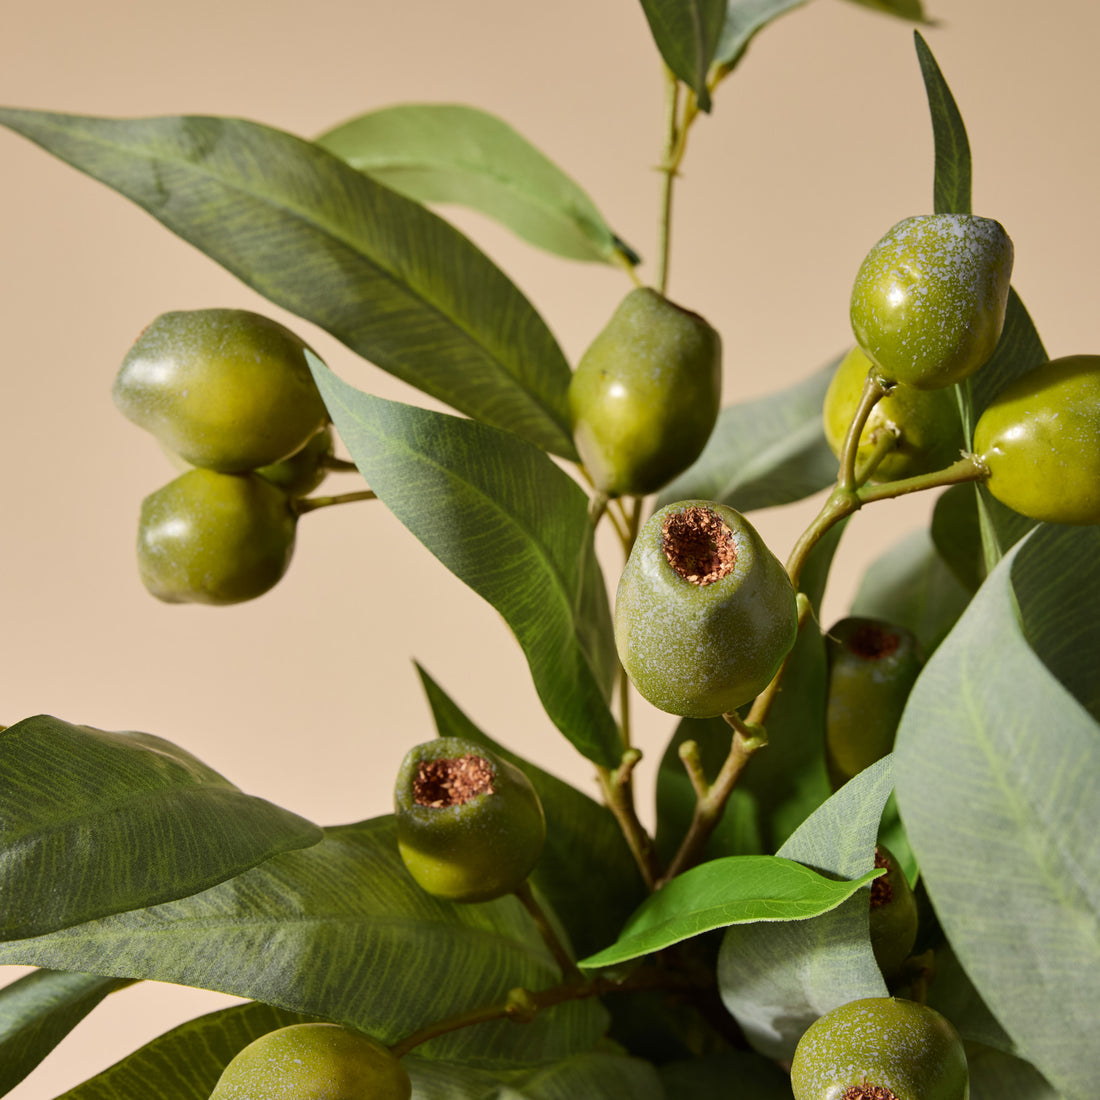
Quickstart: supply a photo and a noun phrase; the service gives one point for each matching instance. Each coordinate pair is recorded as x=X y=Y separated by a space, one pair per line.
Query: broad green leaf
x=763 y=453
x=957 y=536
x=710 y=1078
x=381 y=273
x=93 y=823
x=743 y=19
x=340 y=930
x=911 y=585
x=186 y=1062
x=38 y=1011
x=776 y=979
x=592 y=1076
x=995 y=1075
x=953 y=993
x=586 y=870
x=509 y=523
x=951 y=186
x=999 y=789
x=720 y=893
x=455 y=154
x=687 y=34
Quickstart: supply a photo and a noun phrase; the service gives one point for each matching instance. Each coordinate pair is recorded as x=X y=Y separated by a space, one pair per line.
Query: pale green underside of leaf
x=451 y=153
x=383 y=274
x=586 y=870
x=341 y=931
x=38 y=1011
x=687 y=33
x=720 y=893
x=509 y=523
x=124 y=820
x=999 y=789
x=763 y=453
x=995 y=1075
x=776 y=979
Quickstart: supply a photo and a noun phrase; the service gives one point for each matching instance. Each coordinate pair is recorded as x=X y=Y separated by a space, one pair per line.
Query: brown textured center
x=882 y=893
x=698 y=545
x=452 y=782
x=868 y=1092
x=873 y=642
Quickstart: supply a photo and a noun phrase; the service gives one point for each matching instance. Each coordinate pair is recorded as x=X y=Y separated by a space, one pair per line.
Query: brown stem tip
x=451 y=782
x=873 y=642
x=882 y=893
x=698 y=545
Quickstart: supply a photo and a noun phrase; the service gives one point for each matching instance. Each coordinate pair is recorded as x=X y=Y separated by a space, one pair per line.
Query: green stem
x=338 y=465
x=668 y=171
x=562 y=957
x=311 y=504
x=968 y=468
x=618 y=793
x=762 y=704
x=874 y=390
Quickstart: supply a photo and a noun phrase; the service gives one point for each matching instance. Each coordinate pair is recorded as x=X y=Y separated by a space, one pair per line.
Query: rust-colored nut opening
x=873 y=642
x=445 y=782
x=698 y=545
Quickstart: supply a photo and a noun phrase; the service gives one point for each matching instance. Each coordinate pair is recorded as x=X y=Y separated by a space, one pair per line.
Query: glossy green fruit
x=214 y=538
x=304 y=471
x=893 y=918
x=225 y=389
x=705 y=613
x=645 y=395
x=470 y=826
x=1040 y=440
x=929 y=301
x=880 y=1048
x=924 y=423
x=872 y=668
x=313 y=1062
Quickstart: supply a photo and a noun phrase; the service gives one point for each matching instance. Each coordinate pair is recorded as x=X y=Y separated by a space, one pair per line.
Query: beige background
x=307 y=697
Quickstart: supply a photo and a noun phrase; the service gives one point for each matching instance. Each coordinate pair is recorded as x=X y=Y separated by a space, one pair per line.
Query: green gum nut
x=872 y=666
x=893 y=917
x=645 y=395
x=880 y=1048
x=214 y=538
x=928 y=303
x=1040 y=441
x=705 y=613
x=304 y=471
x=313 y=1062
x=225 y=389
x=470 y=826
x=925 y=424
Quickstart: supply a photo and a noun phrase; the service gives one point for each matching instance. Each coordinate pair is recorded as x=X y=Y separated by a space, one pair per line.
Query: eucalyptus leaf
x=390 y=279
x=123 y=820
x=341 y=931
x=999 y=767
x=951 y=186
x=509 y=523
x=709 y=1078
x=448 y=153
x=903 y=9
x=743 y=19
x=722 y=892
x=586 y=870
x=37 y=1011
x=956 y=533
x=995 y=1075
x=911 y=585
x=776 y=979
x=763 y=453
x=687 y=34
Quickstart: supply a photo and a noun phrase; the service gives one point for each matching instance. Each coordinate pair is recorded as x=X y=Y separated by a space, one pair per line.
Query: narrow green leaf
x=455 y=154
x=381 y=273
x=38 y=1011
x=903 y=9
x=509 y=523
x=911 y=585
x=687 y=34
x=722 y=892
x=999 y=789
x=586 y=870
x=763 y=453
x=340 y=930
x=122 y=820
x=777 y=979
x=951 y=187
x=743 y=19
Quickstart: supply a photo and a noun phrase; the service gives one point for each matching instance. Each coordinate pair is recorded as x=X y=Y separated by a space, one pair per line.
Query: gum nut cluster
x=705 y=613
x=872 y=666
x=313 y=1062
x=1040 y=441
x=645 y=395
x=928 y=303
x=470 y=826
x=924 y=424
x=880 y=1048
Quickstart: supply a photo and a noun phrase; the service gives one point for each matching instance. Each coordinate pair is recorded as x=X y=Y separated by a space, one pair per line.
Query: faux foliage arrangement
x=873 y=873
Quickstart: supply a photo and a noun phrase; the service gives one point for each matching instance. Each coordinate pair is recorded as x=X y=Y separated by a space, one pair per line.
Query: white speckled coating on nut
x=882 y=1042
x=699 y=651
x=928 y=303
